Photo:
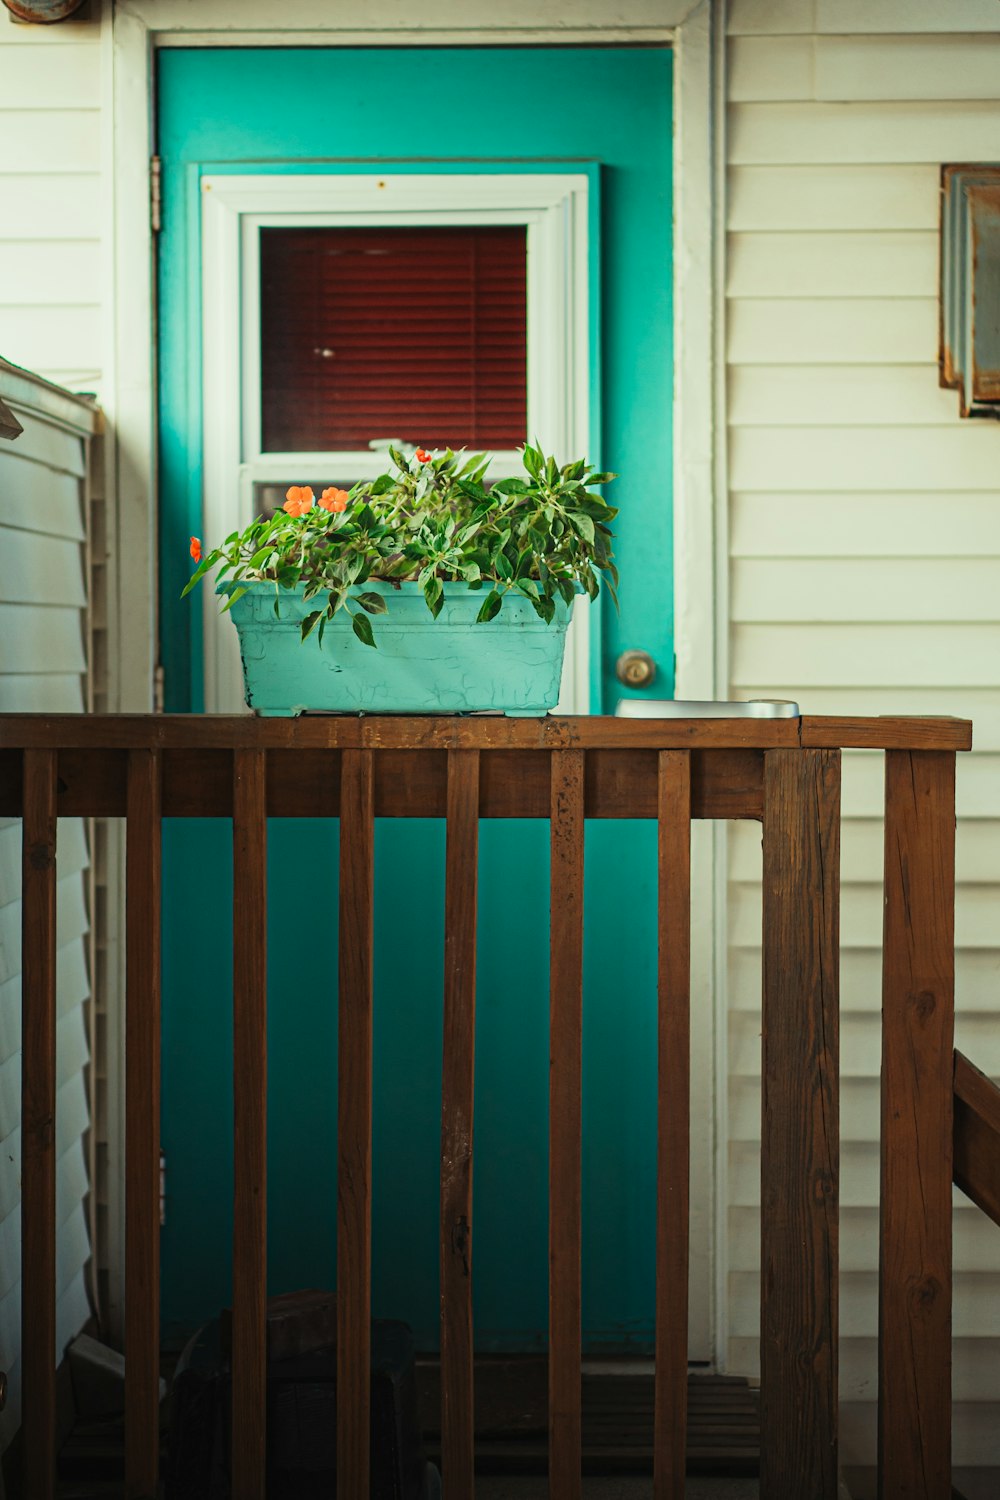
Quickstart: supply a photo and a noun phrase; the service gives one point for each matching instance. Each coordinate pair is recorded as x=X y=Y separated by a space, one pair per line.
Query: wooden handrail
x=783 y=772
x=977 y=1137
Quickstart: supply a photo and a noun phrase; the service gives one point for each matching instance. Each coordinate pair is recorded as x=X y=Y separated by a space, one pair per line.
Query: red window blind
x=417 y=334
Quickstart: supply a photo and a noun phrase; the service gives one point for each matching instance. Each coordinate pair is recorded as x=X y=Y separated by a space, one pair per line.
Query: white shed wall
x=864 y=562
x=46 y=649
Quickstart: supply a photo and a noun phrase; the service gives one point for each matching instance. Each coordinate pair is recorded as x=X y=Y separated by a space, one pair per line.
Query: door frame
x=133 y=30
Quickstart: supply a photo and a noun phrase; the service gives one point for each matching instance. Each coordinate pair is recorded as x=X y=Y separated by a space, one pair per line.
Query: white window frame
x=553 y=207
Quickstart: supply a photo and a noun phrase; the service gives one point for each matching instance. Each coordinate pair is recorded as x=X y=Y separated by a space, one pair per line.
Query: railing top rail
x=476 y=732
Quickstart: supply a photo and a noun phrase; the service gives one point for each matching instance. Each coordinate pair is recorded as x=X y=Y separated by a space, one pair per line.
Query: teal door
x=607 y=113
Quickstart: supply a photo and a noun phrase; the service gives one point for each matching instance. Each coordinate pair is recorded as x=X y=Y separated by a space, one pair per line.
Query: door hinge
x=155 y=194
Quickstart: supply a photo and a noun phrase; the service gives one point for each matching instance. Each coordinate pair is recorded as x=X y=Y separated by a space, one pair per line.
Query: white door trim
x=554 y=208
x=693 y=27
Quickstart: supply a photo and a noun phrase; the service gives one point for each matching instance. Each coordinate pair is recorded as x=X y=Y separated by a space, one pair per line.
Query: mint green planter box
x=421 y=665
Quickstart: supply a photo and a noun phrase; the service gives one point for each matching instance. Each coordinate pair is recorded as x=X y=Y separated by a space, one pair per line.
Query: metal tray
x=686 y=708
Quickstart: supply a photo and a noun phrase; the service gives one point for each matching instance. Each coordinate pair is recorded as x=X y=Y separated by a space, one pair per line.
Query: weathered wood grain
x=354 y=1122
x=142 y=1124
x=457 y=1077
x=887 y=732
x=977 y=1137
x=38 y=1121
x=565 y=1123
x=800 y=1128
x=250 y=1124
x=673 y=1124
x=918 y=1015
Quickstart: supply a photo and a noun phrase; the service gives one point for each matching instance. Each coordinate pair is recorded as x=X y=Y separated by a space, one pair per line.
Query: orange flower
x=423 y=457
x=334 y=499
x=298 y=499
x=196 y=549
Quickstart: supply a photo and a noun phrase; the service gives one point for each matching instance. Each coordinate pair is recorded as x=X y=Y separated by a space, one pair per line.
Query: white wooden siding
x=864 y=539
x=51 y=188
x=45 y=628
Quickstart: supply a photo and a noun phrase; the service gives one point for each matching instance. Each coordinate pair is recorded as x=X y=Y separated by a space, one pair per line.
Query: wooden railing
x=785 y=773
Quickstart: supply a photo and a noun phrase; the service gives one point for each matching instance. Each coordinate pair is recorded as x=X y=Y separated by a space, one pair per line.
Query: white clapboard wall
x=864 y=541
x=46 y=646
x=53 y=198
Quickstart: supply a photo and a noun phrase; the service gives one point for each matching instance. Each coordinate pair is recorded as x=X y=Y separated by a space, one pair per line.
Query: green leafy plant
x=432 y=521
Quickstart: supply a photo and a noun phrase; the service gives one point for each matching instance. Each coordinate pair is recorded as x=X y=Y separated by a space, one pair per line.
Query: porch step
x=511 y=1422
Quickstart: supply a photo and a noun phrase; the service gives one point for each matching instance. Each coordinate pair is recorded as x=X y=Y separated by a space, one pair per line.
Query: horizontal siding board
x=48 y=140
x=975 y=1239
x=839 y=396
x=975 y=1306
x=44 y=443
x=37 y=569
x=861 y=910
x=855 y=264
x=794 y=134
x=36 y=78
x=72 y=1254
x=901 y=524
x=976 y=1370
x=864 y=459
x=61 y=694
x=72 y=1251
x=50 y=204
x=73 y=855
x=852 y=68
x=842 y=198
x=39 y=267
x=774 y=67
x=71 y=1189
x=52 y=337
x=769 y=17
x=977 y=854
x=892 y=656
x=842 y=17
x=34 y=497
x=977 y=980
x=41 y=638
x=72 y=1054
x=72 y=989
x=859 y=1040
x=71 y=922
x=880 y=590
x=835 y=330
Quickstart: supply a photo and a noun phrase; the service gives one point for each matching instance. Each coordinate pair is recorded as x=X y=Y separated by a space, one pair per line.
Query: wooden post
x=354 y=1123
x=673 y=1124
x=918 y=1023
x=142 y=1124
x=565 y=1124
x=800 y=1126
x=457 y=1077
x=250 y=1124
x=38 y=1125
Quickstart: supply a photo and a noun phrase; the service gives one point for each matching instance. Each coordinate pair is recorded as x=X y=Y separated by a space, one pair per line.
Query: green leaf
x=434 y=595
x=509 y=487
x=383 y=484
x=257 y=561
x=200 y=572
x=373 y=603
x=236 y=594
x=473 y=490
x=490 y=607
x=310 y=622
x=502 y=566
x=361 y=626
x=584 y=526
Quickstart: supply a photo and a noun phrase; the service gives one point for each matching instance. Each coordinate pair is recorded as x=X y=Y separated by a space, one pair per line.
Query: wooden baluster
x=457 y=1075
x=918 y=1015
x=800 y=1129
x=250 y=1124
x=38 y=1124
x=565 y=1122
x=673 y=1124
x=354 y=1123
x=142 y=1123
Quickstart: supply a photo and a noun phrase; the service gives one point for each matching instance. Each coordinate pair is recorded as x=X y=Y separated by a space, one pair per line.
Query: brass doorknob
x=636 y=669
